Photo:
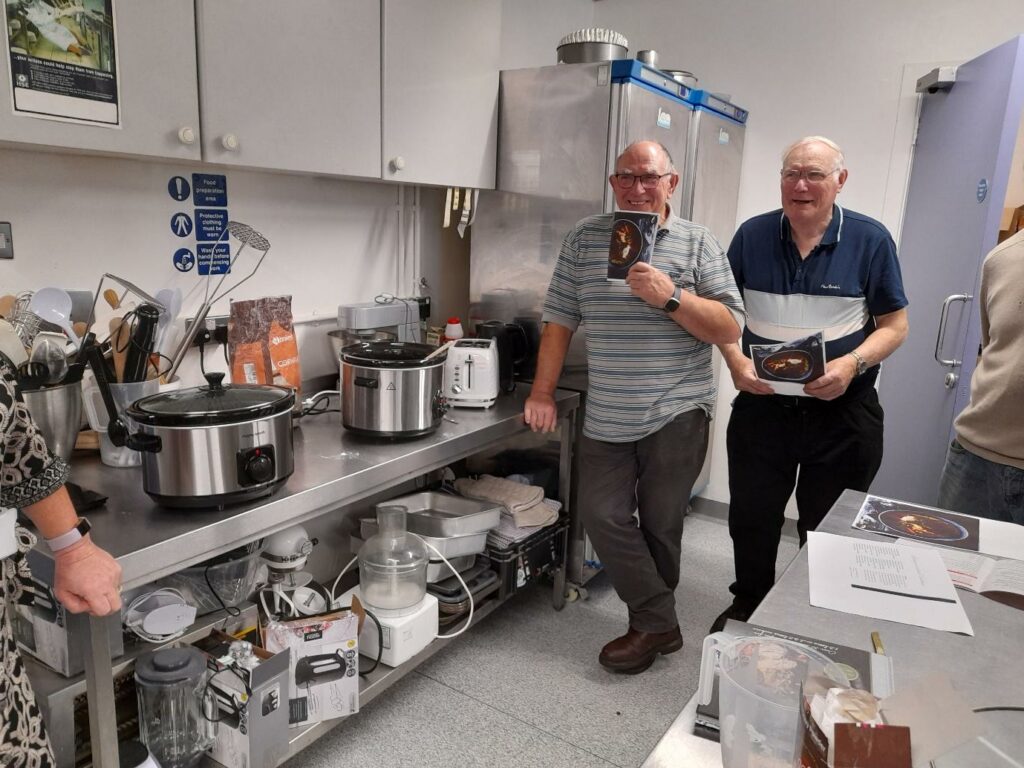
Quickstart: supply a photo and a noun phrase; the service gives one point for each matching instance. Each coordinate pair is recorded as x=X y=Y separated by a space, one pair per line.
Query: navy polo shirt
x=851 y=276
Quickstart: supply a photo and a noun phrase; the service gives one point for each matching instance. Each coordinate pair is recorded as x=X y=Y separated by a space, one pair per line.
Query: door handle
x=939 y=341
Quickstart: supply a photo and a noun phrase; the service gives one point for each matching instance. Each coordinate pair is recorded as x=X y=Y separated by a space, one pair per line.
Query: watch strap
x=673 y=302
x=862 y=364
x=65 y=540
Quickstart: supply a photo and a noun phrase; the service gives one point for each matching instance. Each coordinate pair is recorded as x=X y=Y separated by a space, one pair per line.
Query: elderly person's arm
x=86 y=578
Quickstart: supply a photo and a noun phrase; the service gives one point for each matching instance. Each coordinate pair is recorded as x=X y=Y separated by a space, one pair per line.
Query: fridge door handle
x=941 y=338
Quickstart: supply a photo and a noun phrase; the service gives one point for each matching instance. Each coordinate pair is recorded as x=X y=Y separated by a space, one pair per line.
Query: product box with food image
x=324 y=665
x=790 y=365
x=632 y=242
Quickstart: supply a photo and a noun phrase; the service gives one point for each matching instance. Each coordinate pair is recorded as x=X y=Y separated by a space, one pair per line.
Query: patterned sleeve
x=29 y=472
x=562 y=305
x=716 y=281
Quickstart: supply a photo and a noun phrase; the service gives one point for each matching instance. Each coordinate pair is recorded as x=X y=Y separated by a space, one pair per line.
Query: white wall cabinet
x=291 y=86
x=156 y=90
x=440 y=86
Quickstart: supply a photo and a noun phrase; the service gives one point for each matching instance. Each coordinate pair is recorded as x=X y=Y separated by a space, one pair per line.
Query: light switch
x=6 y=241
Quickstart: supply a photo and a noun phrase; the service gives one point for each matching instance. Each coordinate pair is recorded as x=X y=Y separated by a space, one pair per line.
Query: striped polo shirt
x=851 y=276
x=644 y=368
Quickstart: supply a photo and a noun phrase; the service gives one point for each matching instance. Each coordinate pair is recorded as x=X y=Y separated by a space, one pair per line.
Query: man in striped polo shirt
x=808 y=267
x=649 y=345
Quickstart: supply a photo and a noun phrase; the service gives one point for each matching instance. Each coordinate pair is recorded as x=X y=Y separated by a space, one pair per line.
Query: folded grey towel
x=515 y=497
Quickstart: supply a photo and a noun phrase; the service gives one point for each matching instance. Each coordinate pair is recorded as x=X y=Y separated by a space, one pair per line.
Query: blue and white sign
x=181 y=224
x=210 y=223
x=209 y=189
x=214 y=258
x=184 y=259
x=178 y=188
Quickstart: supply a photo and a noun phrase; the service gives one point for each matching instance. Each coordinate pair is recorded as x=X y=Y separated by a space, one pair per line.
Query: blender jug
x=760 y=680
x=175 y=705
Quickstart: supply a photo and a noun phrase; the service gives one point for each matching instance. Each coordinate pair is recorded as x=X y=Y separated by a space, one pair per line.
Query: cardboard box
x=323 y=665
x=48 y=631
x=252 y=730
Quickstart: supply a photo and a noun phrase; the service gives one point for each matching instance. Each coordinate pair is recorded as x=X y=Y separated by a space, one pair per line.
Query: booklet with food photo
x=633 y=234
x=913 y=521
x=788 y=366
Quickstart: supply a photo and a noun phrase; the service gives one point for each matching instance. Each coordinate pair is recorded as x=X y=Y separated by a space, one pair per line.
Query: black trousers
x=775 y=443
x=654 y=477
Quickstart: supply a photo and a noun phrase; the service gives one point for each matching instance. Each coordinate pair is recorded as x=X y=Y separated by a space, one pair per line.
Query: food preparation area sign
x=63 y=59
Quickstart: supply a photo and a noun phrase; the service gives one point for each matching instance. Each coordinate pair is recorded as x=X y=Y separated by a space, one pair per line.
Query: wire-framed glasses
x=812 y=175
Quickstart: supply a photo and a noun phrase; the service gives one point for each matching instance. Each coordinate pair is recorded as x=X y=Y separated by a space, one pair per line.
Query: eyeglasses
x=812 y=175
x=628 y=180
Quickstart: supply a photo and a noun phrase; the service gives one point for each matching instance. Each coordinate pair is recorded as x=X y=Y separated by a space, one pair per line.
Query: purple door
x=965 y=142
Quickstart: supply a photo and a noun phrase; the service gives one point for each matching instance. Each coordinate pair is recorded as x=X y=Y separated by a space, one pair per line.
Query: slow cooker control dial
x=256 y=466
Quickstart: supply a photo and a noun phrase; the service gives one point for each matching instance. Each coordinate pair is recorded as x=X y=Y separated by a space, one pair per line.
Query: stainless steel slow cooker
x=215 y=445
x=388 y=390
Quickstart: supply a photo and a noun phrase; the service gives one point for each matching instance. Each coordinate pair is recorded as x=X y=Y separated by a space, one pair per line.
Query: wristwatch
x=65 y=540
x=672 y=304
x=862 y=364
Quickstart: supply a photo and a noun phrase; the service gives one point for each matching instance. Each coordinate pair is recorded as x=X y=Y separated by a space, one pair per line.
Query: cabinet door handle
x=397 y=163
x=943 y=316
x=187 y=134
x=230 y=142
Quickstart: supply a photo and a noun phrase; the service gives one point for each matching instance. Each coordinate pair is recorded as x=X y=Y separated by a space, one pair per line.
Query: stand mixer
x=292 y=591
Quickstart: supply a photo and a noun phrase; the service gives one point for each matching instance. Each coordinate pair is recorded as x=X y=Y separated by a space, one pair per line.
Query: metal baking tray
x=449 y=546
x=441 y=515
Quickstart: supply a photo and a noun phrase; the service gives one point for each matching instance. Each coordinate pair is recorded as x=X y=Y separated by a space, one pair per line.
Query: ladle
x=54 y=306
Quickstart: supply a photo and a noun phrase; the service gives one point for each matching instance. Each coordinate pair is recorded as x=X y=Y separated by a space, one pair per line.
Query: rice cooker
x=389 y=389
x=215 y=445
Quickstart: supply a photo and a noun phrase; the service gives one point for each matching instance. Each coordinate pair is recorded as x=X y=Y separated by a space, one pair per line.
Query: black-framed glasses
x=628 y=180
x=812 y=175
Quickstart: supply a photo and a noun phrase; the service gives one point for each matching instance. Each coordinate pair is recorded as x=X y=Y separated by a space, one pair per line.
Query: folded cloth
x=507 y=532
x=514 y=496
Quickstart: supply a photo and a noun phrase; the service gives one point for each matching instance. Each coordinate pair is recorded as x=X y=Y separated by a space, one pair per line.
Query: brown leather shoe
x=635 y=651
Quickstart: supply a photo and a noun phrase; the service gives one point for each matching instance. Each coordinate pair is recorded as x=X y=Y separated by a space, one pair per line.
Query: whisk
x=245 y=235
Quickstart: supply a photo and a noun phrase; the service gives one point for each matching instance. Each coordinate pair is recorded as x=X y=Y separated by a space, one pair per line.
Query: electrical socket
x=214 y=330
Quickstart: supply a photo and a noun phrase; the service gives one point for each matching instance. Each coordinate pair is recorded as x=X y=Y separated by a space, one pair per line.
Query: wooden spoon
x=7 y=305
x=119 y=339
x=111 y=296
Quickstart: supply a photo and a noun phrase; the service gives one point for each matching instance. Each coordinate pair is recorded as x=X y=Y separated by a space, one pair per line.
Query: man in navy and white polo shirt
x=811 y=266
x=649 y=345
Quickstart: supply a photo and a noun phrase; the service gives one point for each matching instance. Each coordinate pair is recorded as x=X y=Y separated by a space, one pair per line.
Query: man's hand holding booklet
x=789 y=366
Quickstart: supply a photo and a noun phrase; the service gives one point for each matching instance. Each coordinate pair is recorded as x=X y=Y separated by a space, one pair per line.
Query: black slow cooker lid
x=211 y=405
x=390 y=354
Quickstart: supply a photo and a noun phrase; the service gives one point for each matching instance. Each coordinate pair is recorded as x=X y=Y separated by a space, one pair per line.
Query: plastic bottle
x=453 y=330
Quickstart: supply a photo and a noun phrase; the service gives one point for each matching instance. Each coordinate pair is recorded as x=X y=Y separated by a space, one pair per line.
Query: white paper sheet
x=1001 y=539
x=908 y=585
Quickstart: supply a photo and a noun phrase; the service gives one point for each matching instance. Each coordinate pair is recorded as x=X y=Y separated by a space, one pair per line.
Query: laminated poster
x=633 y=234
x=787 y=367
x=63 y=60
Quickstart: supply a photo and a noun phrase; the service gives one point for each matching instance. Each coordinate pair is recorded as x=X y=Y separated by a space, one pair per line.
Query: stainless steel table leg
x=567 y=429
x=99 y=681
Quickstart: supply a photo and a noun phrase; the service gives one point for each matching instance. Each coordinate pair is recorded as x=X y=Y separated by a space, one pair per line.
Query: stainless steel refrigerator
x=560 y=130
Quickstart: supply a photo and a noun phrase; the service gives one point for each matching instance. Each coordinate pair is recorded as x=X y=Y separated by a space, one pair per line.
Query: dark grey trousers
x=654 y=476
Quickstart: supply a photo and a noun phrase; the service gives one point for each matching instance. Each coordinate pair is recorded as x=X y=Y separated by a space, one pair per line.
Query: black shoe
x=735 y=611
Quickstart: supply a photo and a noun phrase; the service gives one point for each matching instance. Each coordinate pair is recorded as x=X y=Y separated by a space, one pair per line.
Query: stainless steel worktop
x=333 y=467
x=985 y=669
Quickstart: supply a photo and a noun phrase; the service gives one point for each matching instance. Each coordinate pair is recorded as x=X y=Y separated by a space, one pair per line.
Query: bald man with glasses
x=809 y=266
x=651 y=390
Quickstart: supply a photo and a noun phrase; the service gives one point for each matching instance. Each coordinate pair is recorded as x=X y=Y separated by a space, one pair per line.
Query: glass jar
x=175 y=705
x=392 y=564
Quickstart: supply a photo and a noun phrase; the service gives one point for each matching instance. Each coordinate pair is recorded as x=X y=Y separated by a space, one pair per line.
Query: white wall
x=842 y=69
x=332 y=241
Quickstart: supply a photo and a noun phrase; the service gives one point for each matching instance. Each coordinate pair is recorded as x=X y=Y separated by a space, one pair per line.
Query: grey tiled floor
x=524 y=688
